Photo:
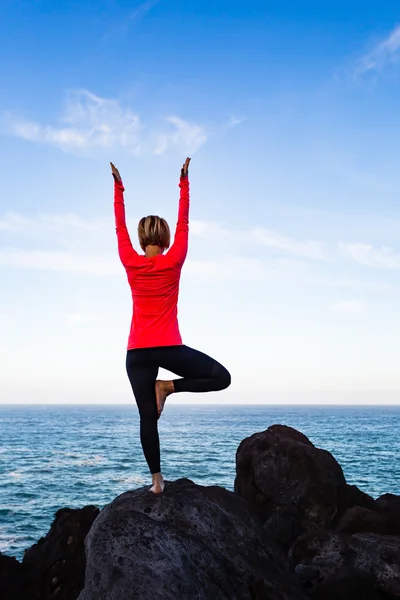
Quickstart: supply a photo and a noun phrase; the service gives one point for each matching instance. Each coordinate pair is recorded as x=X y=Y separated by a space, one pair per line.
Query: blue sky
x=290 y=114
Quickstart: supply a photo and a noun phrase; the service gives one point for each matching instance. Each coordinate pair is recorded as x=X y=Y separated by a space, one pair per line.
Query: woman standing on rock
x=154 y=339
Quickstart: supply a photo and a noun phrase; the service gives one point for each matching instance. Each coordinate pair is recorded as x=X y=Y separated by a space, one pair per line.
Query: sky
x=289 y=111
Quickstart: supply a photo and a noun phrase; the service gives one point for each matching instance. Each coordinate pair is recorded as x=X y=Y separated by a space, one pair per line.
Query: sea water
x=57 y=456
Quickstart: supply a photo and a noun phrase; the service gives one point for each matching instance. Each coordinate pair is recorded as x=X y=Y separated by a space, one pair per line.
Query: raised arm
x=179 y=248
x=127 y=253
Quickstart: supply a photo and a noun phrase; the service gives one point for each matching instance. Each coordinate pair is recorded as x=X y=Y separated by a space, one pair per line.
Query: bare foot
x=163 y=390
x=158 y=484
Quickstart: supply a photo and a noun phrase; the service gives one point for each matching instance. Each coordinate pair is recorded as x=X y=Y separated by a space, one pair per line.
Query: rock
x=283 y=527
x=191 y=543
x=280 y=470
x=350 y=496
x=58 y=560
x=15 y=581
x=351 y=564
x=389 y=505
x=382 y=517
x=358 y=520
x=54 y=568
x=349 y=585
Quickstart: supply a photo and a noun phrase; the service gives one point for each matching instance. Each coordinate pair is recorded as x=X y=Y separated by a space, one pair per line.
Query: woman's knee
x=223 y=377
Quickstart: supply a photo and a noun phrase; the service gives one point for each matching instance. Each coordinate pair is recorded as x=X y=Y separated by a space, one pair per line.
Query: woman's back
x=154 y=280
x=154 y=283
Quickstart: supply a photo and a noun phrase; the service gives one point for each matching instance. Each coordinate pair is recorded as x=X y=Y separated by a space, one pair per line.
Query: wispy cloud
x=70 y=225
x=38 y=225
x=347 y=306
x=227 y=268
x=272 y=239
x=235 y=120
x=125 y=20
x=57 y=243
x=85 y=264
x=315 y=250
x=179 y=134
x=366 y=254
x=87 y=318
x=141 y=10
x=90 y=122
x=221 y=269
x=384 y=54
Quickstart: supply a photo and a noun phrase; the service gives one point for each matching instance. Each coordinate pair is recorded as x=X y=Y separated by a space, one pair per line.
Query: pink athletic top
x=154 y=281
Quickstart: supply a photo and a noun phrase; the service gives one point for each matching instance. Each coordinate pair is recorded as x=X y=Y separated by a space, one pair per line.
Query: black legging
x=199 y=373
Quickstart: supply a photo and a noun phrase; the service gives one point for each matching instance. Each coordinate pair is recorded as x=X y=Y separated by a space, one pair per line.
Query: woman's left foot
x=158 y=484
x=163 y=390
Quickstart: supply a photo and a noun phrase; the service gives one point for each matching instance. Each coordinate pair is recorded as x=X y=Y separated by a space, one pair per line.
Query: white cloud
x=122 y=21
x=205 y=229
x=69 y=225
x=366 y=254
x=234 y=120
x=141 y=10
x=180 y=134
x=353 y=283
x=79 y=318
x=94 y=264
x=386 y=53
x=227 y=268
x=38 y=225
x=272 y=239
x=91 y=122
x=347 y=306
x=265 y=237
x=60 y=242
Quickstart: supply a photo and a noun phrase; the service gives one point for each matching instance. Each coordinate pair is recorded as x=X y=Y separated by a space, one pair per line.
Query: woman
x=154 y=339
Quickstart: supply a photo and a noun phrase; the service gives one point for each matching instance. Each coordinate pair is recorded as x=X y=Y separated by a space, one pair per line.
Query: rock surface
x=358 y=519
x=54 y=567
x=364 y=561
x=280 y=470
x=190 y=543
x=16 y=582
x=342 y=542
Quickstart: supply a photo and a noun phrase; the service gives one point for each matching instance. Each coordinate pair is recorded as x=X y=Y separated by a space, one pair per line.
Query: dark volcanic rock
x=54 y=568
x=350 y=585
x=58 y=560
x=359 y=520
x=389 y=505
x=191 y=543
x=281 y=470
x=15 y=581
x=351 y=564
x=350 y=496
x=382 y=516
x=283 y=527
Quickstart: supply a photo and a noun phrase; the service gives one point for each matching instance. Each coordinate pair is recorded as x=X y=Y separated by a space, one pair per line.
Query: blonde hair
x=153 y=231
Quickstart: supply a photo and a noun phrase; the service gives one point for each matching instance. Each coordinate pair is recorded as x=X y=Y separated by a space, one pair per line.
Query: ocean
x=57 y=456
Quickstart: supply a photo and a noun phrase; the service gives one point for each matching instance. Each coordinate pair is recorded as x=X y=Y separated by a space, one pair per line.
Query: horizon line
x=208 y=404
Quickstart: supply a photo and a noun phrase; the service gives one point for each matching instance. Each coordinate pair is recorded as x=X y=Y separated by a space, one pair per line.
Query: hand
x=185 y=168
x=115 y=172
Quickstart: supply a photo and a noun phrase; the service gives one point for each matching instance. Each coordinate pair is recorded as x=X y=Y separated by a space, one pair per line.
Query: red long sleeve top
x=154 y=281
